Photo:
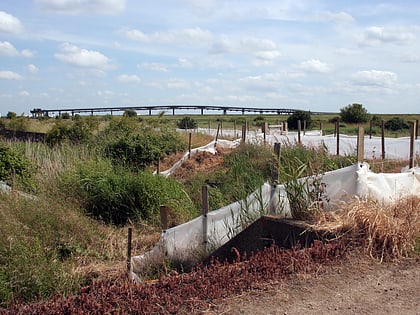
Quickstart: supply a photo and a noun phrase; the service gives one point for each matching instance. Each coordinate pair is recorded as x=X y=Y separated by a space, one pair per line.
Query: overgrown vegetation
x=93 y=179
x=354 y=113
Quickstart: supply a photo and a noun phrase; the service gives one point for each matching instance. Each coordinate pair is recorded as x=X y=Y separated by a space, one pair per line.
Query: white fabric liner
x=197 y=238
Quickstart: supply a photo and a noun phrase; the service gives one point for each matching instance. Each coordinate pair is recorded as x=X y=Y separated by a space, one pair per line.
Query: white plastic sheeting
x=197 y=238
x=395 y=148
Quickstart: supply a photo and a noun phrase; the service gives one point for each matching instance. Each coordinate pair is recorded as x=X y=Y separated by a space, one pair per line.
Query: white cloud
x=375 y=78
x=32 y=69
x=24 y=93
x=376 y=35
x=127 y=78
x=9 y=24
x=10 y=75
x=340 y=17
x=182 y=36
x=177 y=83
x=154 y=66
x=7 y=49
x=83 y=58
x=315 y=65
x=75 y=7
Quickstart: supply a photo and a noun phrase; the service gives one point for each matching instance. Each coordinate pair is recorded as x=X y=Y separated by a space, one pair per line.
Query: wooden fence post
x=383 y=139
x=299 y=129
x=337 y=128
x=370 y=128
x=304 y=127
x=360 y=144
x=164 y=217
x=217 y=134
x=277 y=152
x=128 y=262
x=189 y=145
x=205 y=210
x=412 y=136
x=417 y=128
x=320 y=128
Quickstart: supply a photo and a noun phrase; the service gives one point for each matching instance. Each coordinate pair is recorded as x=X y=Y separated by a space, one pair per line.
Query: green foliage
x=65 y=115
x=130 y=113
x=118 y=196
x=11 y=115
x=396 y=124
x=259 y=120
x=354 y=114
x=243 y=171
x=11 y=162
x=187 y=123
x=139 y=150
x=78 y=131
x=300 y=170
x=301 y=115
x=376 y=121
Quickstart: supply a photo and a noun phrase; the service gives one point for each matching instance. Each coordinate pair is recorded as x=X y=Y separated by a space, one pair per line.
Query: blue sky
x=311 y=55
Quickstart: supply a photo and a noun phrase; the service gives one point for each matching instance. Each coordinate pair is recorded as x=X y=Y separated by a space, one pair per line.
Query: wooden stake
x=189 y=146
x=205 y=210
x=383 y=139
x=164 y=217
x=360 y=144
x=128 y=262
x=412 y=136
x=217 y=135
x=370 y=128
x=320 y=127
x=337 y=128
x=299 y=129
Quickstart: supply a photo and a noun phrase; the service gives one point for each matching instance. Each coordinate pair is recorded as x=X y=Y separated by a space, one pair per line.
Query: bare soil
x=355 y=285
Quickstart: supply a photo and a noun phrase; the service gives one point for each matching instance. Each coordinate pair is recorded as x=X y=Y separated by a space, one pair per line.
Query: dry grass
x=388 y=232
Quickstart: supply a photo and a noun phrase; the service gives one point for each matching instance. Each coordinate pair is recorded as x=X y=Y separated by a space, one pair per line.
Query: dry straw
x=388 y=231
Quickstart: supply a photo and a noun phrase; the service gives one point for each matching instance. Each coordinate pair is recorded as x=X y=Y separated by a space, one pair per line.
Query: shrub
x=187 y=123
x=117 y=196
x=11 y=115
x=354 y=113
x=13 y=163
x=396 y=123
x=130 y=113
x=139 y=150
x=301 y=115
x=79 y=131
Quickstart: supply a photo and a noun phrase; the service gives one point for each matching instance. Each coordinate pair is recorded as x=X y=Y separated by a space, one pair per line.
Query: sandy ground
x=353 y=286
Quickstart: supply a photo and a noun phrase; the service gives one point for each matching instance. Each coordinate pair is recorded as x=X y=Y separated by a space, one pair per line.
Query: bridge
x=37 y=112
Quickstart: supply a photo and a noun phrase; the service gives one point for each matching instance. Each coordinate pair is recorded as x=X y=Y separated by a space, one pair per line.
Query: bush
x=187 y=123
x=130 y=113
x=301 y=115
x=13 y=163
x=138 y=150
x=396 y=123
x=354 y=113
x=117 y=196
x=79 y=131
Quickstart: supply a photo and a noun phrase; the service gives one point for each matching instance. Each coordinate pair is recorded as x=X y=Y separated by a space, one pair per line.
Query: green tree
x=354 y=113
x=301 y=115
x=130 y=113
x=187 y=123
x=11 y=115
x=396 y=123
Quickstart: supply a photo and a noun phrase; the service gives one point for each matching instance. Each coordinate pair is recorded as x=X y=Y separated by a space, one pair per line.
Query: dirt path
x=356 y=286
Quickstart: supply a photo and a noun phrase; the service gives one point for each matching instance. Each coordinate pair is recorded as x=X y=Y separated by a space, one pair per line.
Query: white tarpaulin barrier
x=197 y=238
x=395 y=148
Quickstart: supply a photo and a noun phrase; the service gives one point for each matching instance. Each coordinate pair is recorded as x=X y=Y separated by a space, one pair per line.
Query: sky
x=311 y=55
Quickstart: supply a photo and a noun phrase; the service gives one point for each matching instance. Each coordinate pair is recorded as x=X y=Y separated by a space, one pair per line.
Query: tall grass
x=388 y=232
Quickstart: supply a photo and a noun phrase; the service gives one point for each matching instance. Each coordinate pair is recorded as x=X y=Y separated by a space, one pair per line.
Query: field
x=62 y=243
